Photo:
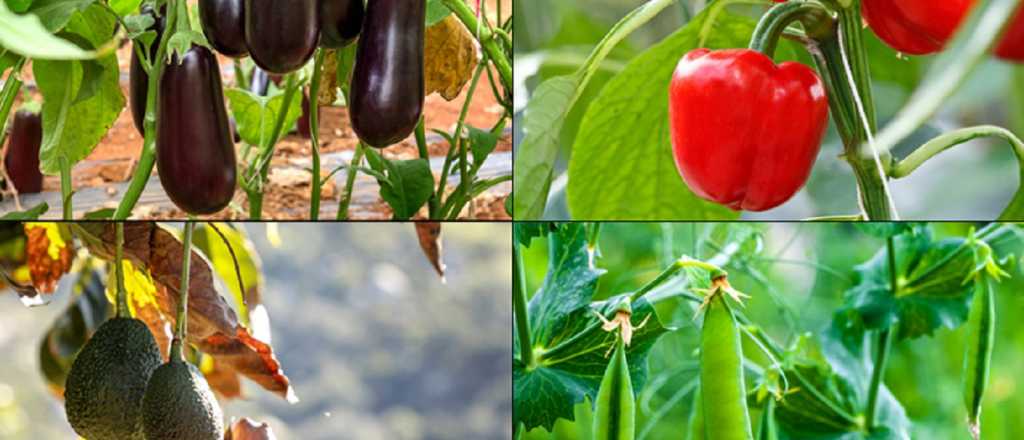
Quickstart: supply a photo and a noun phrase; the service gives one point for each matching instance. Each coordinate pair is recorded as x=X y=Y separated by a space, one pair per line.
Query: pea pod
x=615 y=415
x=721 y=374
x=981 y=324
x=695 y=426
x=768 y=430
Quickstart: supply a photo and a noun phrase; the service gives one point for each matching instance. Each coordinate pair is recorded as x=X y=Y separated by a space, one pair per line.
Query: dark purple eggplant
x=138 y=80
x=260 y=82
x=387 y=81
x=340 y=22
x=224 y=26
x=22 y=160
x=282 y=35
x=194 y=150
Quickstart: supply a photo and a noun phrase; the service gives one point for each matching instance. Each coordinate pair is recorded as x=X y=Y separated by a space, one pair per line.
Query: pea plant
x=684 y=354
x=314 y=52
x=704 y=124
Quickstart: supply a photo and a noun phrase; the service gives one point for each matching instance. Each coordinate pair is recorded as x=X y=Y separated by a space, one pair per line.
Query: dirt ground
x=113 y=160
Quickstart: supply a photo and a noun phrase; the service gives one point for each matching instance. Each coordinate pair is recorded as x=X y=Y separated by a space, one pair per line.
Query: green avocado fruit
x=179 y=405
x=103 y=393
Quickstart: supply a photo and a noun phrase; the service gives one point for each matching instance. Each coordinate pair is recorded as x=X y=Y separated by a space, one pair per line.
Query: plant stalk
x=147 y=157
x=182 y=323
x=314 y=134
x=350 y=181
x=884 y=343
x=486 y=38
x=519 y=300
x=122 y=294
x=267 y=151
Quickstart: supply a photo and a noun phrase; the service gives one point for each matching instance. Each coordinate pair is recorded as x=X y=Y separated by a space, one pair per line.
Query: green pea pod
x=768 y=430
x=615 y=416
x=981 y=324
x=721 y=375
x=696 y=424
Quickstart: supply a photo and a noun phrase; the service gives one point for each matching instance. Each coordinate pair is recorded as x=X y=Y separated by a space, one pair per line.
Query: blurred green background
x=554 y=37
x=796 y=280
x=375 y=345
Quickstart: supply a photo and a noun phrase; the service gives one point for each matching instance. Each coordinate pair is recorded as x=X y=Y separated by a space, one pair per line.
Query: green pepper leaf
x=621 y=165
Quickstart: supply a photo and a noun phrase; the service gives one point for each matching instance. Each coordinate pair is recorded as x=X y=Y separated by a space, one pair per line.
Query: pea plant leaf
x=569 y=345
x=622 y=164
x=933 y=289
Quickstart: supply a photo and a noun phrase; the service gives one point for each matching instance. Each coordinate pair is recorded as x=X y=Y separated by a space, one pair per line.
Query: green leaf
x=885 y=229
x=568 y=338
x=125 y=7
x=28 y=214
x=481 y=144
x=622 y=165
x=55 y=14
x=19 y=6
x=346 y=61
x=436 y=11
x=255 y=115
x=546 y=112
x=408 y=187
x=72 y=127
x=933 y=291
x=28 y=36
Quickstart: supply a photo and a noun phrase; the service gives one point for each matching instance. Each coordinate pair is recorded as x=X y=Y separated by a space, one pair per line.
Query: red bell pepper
x=745 y=131
x=915 y=27
x=1011 y=48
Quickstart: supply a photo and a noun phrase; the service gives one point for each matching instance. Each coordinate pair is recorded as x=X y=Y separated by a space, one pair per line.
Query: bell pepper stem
x=771 y=27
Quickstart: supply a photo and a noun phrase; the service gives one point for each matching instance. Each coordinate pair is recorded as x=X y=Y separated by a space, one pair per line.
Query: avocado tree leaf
x=213 y=326
x=567 y=338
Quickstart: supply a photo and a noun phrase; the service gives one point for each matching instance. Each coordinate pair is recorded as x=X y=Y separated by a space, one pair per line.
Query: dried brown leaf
x=49 y=256
x=328 y=92
x=450 y=56
x=246 y=429
x=429 y=234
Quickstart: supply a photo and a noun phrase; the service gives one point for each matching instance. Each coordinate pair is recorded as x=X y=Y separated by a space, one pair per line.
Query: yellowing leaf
x=450 y=55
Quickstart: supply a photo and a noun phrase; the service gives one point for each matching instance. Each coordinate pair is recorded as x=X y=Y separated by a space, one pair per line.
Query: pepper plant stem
x=182 y=323
x=147 y=158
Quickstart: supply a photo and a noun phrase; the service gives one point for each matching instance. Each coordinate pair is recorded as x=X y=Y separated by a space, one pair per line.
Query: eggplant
x=224 y=26
x=340 y=22
x=22 y=160
x=260 y=82
x=282 y=35
x=387 y=81
x=138 y=79
x=194 y=149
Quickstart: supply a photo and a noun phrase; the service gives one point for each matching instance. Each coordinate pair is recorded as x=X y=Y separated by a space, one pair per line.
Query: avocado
x=179 y=405
x=103 y=393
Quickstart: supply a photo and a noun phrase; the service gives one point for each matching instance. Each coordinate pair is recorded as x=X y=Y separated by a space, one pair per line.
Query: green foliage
x=107 y=381
x=255 y=115
x=816 y=287
x=179 y=405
